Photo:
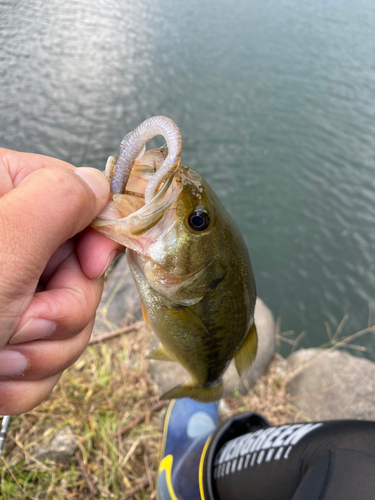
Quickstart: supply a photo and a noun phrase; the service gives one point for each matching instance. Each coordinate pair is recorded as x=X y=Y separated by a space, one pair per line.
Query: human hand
x=51 y=271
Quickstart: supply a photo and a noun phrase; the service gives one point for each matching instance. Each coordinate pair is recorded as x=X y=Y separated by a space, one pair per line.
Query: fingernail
x=96 y=180
x=111 y=258
x=35 y=328
x=11 y=363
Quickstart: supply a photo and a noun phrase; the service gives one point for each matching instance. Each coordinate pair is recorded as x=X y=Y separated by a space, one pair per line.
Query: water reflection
x=275 y=102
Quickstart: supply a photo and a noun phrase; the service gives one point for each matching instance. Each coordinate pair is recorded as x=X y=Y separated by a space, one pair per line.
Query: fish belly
x=183 y=335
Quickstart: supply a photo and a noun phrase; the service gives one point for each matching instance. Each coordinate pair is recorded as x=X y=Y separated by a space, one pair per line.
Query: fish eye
x=198 y=220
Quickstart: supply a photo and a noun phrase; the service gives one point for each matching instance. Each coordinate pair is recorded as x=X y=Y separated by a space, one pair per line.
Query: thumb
x=48 y=207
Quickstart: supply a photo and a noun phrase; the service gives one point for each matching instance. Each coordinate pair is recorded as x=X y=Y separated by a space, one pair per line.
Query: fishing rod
x=3 y=431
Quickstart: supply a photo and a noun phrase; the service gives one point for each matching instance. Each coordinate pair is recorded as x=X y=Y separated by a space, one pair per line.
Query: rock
x=279 y=367
x=164 y=373
x=60 y=449
x=224 y=411
x=167 y=375
x=120 y=304
x=332 y=384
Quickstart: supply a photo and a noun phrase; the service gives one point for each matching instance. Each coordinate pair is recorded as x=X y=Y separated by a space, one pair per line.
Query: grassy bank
x=108 y=388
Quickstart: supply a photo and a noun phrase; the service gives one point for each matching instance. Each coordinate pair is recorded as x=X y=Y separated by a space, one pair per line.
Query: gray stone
x=167 y=375
x=279 y=367
x=332 y=384
x=164 y=373
x=60 y=449
x=120 y=305
x=224 y=411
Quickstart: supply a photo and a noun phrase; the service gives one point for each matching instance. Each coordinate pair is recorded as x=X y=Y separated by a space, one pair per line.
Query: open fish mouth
x=127 y=217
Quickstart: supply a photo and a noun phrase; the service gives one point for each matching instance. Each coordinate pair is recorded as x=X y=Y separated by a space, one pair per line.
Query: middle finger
x=64 y=308
x=46 y=358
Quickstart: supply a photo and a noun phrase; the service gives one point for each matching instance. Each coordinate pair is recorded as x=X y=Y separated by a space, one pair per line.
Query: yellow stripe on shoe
x=201 y=463
x=165 y=489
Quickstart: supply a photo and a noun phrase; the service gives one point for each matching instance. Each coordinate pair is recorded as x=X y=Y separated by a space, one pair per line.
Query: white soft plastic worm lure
x=133 y=146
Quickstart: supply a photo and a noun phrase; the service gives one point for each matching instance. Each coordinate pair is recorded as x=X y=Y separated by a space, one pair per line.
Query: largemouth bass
x=188 y=259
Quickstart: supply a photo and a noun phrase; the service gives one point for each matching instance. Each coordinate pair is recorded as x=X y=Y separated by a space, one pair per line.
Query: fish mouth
x=126 y=218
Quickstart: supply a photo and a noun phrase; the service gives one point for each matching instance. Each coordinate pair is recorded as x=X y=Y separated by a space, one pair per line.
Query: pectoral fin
x=191 y=390
x=190 y=322
x=246 y=353
x=160 y=354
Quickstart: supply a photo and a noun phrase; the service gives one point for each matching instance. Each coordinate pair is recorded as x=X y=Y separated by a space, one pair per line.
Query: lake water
x=276 y=103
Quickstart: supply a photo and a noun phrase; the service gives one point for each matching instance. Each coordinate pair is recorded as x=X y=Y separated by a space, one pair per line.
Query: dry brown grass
x=107 y=388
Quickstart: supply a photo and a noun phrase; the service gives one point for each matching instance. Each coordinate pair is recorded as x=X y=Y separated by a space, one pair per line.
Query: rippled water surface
x=276 y=103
